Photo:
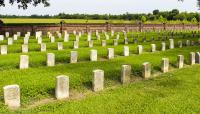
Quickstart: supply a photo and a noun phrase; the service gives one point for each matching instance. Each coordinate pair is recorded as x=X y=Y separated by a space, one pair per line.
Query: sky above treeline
x=102 y=7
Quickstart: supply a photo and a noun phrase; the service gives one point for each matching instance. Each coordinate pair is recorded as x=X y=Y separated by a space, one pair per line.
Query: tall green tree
x=24 y=3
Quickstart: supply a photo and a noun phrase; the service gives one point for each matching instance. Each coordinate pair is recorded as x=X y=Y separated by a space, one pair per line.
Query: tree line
x=156 y=15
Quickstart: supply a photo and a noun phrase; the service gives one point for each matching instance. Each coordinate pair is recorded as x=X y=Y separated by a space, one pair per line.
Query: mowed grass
x=171 y=93
x=38 y=82
x=57 y=21
x=32 y=20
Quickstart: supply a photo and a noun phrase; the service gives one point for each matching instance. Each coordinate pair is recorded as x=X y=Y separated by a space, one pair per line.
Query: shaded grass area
x=39 y=83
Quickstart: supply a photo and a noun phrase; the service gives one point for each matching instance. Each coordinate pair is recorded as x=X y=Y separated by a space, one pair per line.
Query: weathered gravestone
x=180 y=61
x=39 y=40
x=146 y=70
x=171 y=43
x=50 y=59
x=126 y=41
x=1 y=37
x=73 y=56
x=24 y=48
x=12 y=96
x=24 y=62
x=76 y=44
x=115 y=42
x=192 y=58
x=10 y=41
x=42 y=47
x=125 y=74
x=66 y=37
x=180 y=44
x=15 y=36
x=165 y=65
x=60 y=46
x=90 y=43
x=62 y=87
x=7 y=34
x=93 y=55
x=26 y=39
x=139 y=49
x=52 y=39
x=163 y=46
x=197 y=57
x=111 y=53
x=98 y=80
x=4 y=49
x=126 y=51
x=153 y=47
x=103 y=43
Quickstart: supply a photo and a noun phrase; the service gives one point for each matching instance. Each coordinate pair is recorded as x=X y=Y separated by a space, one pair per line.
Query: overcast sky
x=103 y=7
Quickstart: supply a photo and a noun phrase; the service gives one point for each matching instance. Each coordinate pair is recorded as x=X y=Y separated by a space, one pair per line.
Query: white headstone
x=115 y=42
x=10 y=41
x=73 y=57
x=153 y=47
x=62 y=87
x=76 y=44
x=42 y=47
x=39 y=40
x=15 y=36
x=90 y=43
x=163 y=46
x=52 y=39
x=146 y=70
x=24 y=62
x=26 y=39
x=4 y=49
x=50 y=59
x=93 y=55
x=60 y=46
x=171 y=43
x=197 y=57
x=125 y=74
x=139 y=49
x=165 y=65
x=180 y=61
x=98 y=80
x=192 y=58
x=111 y=53
x=126 y=51
x=103 y=43
x=24 y=48
x=7 y=34
x=66 y=38
x=1 y=37
x=12 y=96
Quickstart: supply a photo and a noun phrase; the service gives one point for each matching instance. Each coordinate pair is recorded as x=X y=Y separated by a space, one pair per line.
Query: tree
x=24 y=3
x=194 y=20
x=161 y=19
x=155 y=12
x=143 y=19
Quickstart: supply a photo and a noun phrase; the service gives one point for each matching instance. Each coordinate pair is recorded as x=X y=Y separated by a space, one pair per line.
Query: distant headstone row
x=25 y=47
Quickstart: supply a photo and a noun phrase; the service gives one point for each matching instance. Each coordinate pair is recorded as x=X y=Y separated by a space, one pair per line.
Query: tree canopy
x=24 y=3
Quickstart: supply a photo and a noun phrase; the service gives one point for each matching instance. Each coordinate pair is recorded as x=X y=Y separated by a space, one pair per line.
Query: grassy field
x=56 y=21
x=173 y=92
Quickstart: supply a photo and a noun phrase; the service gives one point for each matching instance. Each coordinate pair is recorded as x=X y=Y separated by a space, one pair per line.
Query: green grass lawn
x=49 y=21
x=171 y=93
x=174 y=92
